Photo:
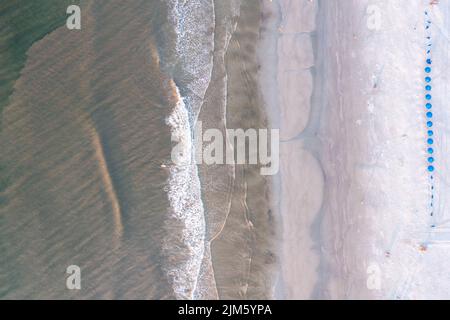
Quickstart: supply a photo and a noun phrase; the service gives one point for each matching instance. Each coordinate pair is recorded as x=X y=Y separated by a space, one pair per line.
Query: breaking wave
x=184 y=254
x=191 y=68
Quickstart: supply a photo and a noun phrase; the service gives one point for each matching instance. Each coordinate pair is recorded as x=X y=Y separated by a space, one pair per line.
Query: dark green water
x=22 y=23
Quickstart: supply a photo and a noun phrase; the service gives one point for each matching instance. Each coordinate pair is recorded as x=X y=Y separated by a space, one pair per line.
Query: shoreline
x=237 y=198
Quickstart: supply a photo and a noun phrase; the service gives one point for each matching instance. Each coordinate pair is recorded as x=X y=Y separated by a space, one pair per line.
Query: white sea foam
x=186 y=209
x=194 y=22
x=191 y=65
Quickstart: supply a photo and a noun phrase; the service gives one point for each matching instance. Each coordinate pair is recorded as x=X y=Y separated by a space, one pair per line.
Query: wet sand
x=242 y=228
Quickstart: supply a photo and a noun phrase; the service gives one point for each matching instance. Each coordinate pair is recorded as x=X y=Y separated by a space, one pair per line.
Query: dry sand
x=353 y=190
x=288 y=88
x=319 y=259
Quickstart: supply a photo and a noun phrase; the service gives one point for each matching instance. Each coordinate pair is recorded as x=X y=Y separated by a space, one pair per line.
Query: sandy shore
x=346 y=95
x=237 y=198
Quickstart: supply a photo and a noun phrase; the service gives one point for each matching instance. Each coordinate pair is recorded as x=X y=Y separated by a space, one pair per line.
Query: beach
x=93 y=119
